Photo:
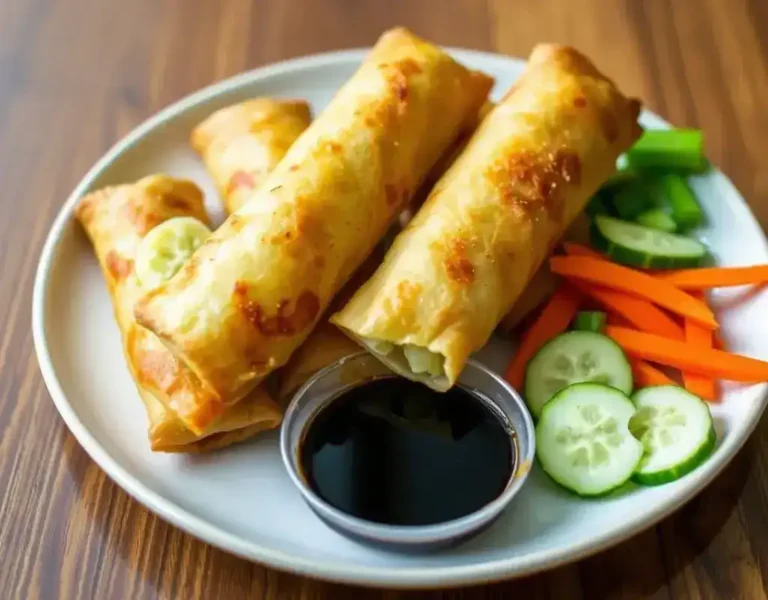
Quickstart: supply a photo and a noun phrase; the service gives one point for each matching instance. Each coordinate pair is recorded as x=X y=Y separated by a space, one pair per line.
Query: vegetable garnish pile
x=599 y=366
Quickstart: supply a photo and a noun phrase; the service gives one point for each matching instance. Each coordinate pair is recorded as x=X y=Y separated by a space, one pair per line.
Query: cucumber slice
x=657 y=218
x=589 y=320
x=583 y=440
x=676 y=430
x=575 y=357
x=164 y=249
x=635 y=245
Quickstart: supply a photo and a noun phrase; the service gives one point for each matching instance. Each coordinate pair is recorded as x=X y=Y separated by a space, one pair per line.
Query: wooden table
x=76 y=75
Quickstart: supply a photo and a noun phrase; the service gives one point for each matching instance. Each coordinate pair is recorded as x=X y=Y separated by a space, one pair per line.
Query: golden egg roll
x=242 y=143
x=251 y=294
x=116 y=219
x=490 y=221
x=543 y=284
x=327 y=343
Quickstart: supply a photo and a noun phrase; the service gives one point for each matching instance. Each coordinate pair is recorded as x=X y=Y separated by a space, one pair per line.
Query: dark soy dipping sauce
x=394 y=451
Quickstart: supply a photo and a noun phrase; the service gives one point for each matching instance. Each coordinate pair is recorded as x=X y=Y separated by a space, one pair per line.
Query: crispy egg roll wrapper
x=242 y=143
x=544 y=283
x=116 y=219
x=485 y=229
x=252 y=293
x=327 y=344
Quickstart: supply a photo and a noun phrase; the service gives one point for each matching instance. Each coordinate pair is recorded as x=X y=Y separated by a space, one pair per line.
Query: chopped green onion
x=669 y=149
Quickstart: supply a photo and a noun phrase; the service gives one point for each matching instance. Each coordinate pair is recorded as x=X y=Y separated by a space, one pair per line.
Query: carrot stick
x=573 y=249
x=646 y=374
x=617 y=319
x=712 y=277
x=717 y=341
x=689 y=357
x=553 y=320
x=702 y=386
x=640 y=313
x=635 y=283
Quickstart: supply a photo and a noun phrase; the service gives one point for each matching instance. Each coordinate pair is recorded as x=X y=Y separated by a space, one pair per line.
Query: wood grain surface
x=76 y=75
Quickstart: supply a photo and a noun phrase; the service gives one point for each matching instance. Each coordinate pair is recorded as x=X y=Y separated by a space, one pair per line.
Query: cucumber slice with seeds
x=583 y=440
x=575 y=357
x=675 y=428
x=635 y=245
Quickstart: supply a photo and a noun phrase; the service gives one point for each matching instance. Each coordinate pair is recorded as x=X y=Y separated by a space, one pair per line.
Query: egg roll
x=544 y=283
x=327 y=343
x=490 y=221
x=116 y=219
x=252 y=293
x=242 y=143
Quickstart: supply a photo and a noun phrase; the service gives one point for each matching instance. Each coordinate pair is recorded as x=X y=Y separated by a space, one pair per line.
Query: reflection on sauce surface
x=396 y=452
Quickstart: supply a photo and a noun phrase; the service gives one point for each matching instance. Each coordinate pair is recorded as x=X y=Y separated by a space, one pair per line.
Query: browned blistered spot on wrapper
x=142 y=220
x=118 y=267
x=240 y=179
x=408 y=67
x=397 y=75
x=177 y=202
x=533 y=180
x=457 y=264
x=290 y=317
x=335 y=148
x=86 y=208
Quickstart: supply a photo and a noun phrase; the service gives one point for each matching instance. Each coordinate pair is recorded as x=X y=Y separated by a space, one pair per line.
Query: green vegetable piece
x=657 y=218
x=589 y=320
x=671 y=149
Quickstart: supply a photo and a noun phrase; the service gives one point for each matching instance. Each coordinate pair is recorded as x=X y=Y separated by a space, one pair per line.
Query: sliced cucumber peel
x=676 y=430
x=639 y=246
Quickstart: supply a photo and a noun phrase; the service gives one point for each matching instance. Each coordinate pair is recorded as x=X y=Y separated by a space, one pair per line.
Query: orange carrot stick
x=573 y=249
x=717 y=341
x=553 y=320
x=701 y=385
x=640 y=313
x=689 y=357
x=618 y=320
x=635 y=283
x=646 y=374
x=712 y=277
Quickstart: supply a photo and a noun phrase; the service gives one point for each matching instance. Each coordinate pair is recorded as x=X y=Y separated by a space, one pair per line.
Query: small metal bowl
x=358 y=369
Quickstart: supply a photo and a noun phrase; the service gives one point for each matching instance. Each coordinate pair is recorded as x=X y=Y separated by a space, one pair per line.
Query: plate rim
x=338 y=571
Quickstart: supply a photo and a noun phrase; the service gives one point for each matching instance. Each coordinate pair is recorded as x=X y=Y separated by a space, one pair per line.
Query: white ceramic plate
x=241 y=499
